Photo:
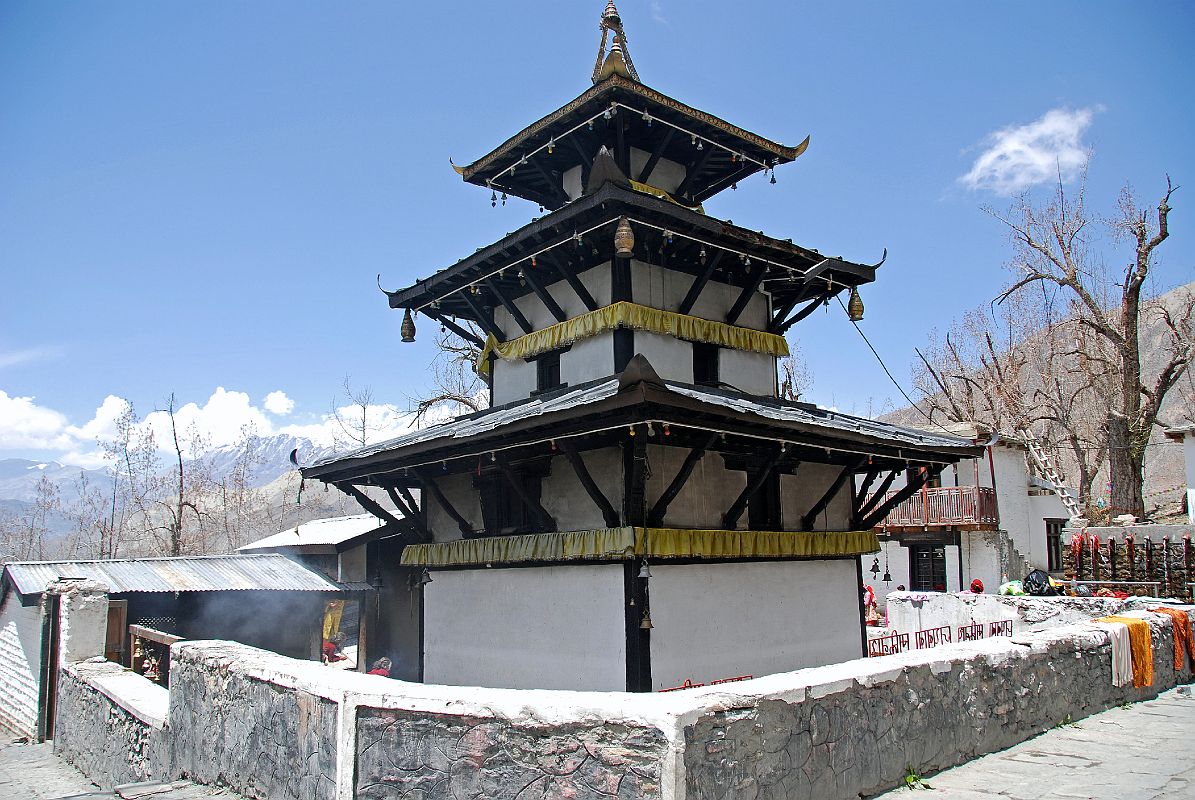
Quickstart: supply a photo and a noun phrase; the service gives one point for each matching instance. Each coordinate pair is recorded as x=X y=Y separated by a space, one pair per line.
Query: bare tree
x=796 y=376
x=456 y=387
x=1053 y=250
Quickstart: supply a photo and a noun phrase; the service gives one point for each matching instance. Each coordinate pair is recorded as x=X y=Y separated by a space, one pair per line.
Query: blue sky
x=200 y=195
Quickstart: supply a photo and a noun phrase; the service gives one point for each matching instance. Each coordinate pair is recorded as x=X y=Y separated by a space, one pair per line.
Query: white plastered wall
x=707 y=494
x=565 y=498
x=20 y=665
x=544 y=627
x=715 y=621
x=587 y=360
x=1189 y=454
x=799 y=492
x=459 y=491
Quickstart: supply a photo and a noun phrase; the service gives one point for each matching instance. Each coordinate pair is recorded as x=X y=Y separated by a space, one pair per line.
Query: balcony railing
x=971 y=507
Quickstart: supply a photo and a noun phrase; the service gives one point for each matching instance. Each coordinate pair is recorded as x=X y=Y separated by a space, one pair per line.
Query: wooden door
x=116 y=641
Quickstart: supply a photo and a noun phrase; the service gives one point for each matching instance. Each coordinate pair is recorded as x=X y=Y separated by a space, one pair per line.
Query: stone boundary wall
x=918 y=611
x=111 y=723
x=268 y=726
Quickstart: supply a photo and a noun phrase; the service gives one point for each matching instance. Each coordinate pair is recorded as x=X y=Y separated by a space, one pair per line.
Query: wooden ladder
x=1046 y=465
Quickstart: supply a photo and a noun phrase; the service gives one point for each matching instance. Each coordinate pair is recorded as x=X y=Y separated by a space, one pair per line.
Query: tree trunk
x=1125 y=469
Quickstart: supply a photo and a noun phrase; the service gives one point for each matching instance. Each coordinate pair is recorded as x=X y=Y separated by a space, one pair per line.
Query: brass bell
x=646 y=625
x=408 y=327
x=624 y=239
x=854 y=307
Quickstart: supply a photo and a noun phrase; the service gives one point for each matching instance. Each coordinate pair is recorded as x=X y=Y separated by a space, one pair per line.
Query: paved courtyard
x=33 y=772
x=1141 y=752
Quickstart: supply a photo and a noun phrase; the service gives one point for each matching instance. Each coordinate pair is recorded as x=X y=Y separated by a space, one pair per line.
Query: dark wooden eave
x=608 y=203
x=635 y=404
x=539 y=180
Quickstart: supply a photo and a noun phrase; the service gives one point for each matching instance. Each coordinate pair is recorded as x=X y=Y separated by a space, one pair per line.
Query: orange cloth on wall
x=1182 y=635
x=1141 y=645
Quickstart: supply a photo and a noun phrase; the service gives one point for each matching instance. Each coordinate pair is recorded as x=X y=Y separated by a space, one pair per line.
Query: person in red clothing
x=977 y=586
x=331 y=649
x=381 y=667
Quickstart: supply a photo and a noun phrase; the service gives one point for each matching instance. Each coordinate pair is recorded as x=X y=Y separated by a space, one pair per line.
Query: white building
x=990 y=518
x=1186 y=435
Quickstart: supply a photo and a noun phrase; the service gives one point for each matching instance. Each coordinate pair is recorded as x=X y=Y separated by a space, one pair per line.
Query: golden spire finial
x=618 y=60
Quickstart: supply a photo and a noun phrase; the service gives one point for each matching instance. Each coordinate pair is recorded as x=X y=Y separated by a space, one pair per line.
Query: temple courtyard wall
x=269 y=726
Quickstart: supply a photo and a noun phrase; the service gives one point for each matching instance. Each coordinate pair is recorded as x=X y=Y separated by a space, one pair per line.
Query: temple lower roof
x=634 y=399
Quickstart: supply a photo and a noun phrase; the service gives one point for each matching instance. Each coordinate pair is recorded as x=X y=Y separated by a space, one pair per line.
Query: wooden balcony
x=971 y=508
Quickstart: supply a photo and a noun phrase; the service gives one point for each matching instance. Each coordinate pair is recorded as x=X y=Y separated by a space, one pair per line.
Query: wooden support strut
x=752 y=286
x=868 y=480
x=573 y=280
x=546 y=520
x=452 y=326
x=586 y=159
x=595 y=492
x=731 y=518
x=699 y=282
x=369 y=504
x=537 y=287
x=692 y=173
x=869 y=504
x=509 y=305
x=406 y=503
x=656 y=154
x=484 y=318
x=831 y=493
x=655 y=517
x=555 y=188
x=430 y=485
x=914 y=486
x=802 y=314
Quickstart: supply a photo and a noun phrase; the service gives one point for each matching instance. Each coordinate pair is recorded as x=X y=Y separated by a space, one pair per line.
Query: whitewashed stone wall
x=20 y=665
x=273 y=727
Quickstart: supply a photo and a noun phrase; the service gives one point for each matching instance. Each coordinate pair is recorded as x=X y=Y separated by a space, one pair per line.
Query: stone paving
x=1139 y=752
x=33 y=772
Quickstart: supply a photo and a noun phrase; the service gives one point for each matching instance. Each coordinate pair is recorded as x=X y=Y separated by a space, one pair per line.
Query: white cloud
x=657 y=12
x=14 y=358
x=24 y=425
x=220 y=421
x=1021 y=156
x=279 y=404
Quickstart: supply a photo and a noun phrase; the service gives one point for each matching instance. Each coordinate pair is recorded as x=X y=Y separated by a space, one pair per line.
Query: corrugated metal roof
x=484 y=422
x=331 y=531
x=189 y=574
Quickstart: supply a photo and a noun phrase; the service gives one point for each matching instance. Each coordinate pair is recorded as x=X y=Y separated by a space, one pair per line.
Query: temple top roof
x=638 y=124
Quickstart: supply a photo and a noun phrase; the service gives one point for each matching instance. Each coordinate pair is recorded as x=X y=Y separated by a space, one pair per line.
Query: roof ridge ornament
x=618 y=60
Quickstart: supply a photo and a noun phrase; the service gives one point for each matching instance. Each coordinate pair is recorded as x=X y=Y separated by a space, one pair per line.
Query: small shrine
x=639 y=508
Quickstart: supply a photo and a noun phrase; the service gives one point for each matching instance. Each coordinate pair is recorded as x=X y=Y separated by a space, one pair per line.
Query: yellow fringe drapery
x=636 y=317
x=617 y=544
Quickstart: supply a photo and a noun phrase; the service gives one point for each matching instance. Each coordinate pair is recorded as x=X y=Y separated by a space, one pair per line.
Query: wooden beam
x=542 y=294
x=462 y=524
x=869 y=503
x=868 y=480
x=595 y=492
x=693 y=171
x=745 y=296
x=700 y=281
x=622 y=155
x=831 y=493
x=914 y=486
x=452 y=326
x=634 y=480
x=573 y=281
x=731 y=518
x=484 y=318
x=586 y=159
x=509 y=305
x=656 y=154
x=655 y=517
x=800 y=315
x=411 y=512
x=782 y=311
x=368 y=503
x=546 y=521
x=555 y=188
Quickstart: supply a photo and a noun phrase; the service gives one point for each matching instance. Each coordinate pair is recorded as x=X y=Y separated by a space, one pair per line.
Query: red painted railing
x=946 y=506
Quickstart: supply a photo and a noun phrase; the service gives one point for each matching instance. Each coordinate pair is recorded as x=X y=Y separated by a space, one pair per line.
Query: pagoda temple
x=638 y=508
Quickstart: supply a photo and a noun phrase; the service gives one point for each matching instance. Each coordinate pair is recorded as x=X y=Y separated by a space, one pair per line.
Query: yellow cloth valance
x=636 y=317
x=618 y=544
x=647 y=188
